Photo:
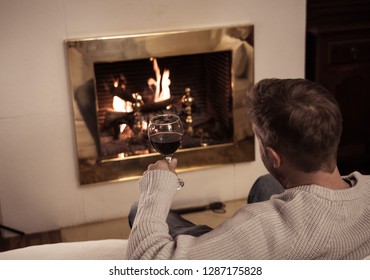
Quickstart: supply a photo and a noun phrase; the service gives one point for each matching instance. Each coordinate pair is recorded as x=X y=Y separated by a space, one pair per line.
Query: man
x=320 y=214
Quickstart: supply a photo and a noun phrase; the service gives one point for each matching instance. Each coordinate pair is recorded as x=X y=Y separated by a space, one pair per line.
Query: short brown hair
x=298 y=118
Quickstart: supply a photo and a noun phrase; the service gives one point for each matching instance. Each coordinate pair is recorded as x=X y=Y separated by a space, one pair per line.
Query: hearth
x=119 y=82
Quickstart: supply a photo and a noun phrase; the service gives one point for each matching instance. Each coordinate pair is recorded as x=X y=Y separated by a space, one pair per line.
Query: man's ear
x=275 y=156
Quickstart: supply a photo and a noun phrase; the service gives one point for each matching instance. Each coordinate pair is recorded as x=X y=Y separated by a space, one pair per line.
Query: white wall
x=39 y=187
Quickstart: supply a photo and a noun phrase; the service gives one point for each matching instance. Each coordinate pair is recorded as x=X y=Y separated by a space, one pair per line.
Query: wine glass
x=165 y=134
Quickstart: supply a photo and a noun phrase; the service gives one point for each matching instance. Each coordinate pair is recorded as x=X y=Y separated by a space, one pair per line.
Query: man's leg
x=176 y=224
x=264 y=187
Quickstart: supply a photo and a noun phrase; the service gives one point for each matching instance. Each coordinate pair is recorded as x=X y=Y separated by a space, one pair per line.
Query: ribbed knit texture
x=305 y=222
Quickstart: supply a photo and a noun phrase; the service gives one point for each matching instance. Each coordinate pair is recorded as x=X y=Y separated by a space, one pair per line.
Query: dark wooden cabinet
x=338 y=57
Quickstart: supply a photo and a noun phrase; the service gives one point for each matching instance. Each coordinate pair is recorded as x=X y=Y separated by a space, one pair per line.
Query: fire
x=162 y=92
x=121 y=105
x=161 y=82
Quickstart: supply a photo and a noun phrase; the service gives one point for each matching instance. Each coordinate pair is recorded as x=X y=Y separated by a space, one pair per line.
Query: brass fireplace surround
x=83 y=53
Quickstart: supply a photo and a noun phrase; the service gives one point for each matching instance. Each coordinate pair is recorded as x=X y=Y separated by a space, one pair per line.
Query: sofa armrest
x=109 y=249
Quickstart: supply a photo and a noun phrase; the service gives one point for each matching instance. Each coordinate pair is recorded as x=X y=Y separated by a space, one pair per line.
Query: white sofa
x=110 y=249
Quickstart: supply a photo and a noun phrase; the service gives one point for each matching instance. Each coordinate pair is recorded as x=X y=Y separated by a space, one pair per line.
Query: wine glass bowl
x=165 y=134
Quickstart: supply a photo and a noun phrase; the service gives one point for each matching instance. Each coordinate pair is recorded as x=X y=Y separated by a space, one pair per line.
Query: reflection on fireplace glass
x=195 y=87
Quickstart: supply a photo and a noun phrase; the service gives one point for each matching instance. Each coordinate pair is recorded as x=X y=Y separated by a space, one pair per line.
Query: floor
x=119 y=228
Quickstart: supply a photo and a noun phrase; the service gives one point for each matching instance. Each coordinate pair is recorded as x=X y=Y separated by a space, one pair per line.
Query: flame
x=161 y=81
x=165 y=94
x=144 y=125
x=120 y=81
x=121 y=105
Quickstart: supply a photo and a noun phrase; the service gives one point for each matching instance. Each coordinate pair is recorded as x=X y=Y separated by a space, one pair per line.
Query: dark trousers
x=262 y=189
x=176 y=224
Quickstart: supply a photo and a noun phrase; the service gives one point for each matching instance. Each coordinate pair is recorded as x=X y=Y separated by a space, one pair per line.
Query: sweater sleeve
x=149 y=238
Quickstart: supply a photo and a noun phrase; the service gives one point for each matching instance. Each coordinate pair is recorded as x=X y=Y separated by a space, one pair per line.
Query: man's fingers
x=172 y=164
x=164 y=165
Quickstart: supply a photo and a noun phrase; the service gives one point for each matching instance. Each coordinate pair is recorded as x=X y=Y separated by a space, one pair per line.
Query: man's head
x=298 y=120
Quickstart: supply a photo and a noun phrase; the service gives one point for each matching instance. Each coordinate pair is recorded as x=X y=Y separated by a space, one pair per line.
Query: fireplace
x=119 y=82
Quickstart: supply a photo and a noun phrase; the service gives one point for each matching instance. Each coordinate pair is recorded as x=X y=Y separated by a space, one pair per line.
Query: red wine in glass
x=166 y=143
x=165 y=134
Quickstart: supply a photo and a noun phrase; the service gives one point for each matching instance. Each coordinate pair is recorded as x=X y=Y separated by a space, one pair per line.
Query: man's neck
x=321 y=178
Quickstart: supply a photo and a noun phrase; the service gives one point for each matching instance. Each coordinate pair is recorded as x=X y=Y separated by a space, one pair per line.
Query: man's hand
x=164 y=165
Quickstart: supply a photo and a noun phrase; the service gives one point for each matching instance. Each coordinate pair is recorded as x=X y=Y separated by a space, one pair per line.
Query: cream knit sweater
x=305 y=222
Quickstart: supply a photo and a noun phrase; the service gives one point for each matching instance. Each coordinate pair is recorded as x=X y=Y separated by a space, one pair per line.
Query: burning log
x=122 y=93
x=160 y=105
x=113 y=119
